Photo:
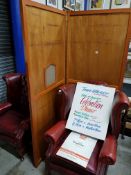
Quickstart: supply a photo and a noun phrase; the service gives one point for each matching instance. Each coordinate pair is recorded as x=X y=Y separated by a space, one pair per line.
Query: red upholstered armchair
x=104 y=153
x=14 y=114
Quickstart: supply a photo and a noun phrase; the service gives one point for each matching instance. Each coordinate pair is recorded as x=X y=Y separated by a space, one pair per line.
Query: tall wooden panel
x=97 y=43
x=44 y=31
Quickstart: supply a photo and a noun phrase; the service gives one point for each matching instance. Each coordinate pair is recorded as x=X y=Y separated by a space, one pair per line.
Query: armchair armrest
x=24 y=125
x=120 y=104
x=53 y=135
x=5 y=107
x=121 y=98
x=109 y=151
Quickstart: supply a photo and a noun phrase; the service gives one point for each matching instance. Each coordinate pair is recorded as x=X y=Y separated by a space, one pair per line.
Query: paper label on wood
x=90 y=111
x=77 y=148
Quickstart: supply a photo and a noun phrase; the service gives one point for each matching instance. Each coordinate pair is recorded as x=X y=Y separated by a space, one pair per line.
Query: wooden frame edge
x=51 y=87
x=125 y=54
x=36 y=160
x=95 y=12
x=42 y=6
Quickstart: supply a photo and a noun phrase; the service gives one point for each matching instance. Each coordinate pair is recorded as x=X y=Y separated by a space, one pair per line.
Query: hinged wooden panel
x=97 y=46
x=44 y=31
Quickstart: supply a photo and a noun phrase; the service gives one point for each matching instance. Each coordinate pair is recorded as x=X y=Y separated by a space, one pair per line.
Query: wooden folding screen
x=44 y=31
x=91 y=45
x=97 y=45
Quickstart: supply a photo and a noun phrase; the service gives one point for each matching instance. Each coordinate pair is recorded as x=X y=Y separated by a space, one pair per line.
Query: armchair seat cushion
x=9 y=123
x=91 y=168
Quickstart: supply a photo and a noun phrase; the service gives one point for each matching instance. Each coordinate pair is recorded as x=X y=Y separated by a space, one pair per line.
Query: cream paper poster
x=77 y=148
x=91 y=109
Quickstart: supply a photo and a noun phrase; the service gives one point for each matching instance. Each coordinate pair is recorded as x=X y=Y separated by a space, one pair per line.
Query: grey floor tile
x=119 y=169
x=10 y=165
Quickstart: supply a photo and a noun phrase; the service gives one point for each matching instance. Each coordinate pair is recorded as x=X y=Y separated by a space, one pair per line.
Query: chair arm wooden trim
x=5 y=107
x=109 y=150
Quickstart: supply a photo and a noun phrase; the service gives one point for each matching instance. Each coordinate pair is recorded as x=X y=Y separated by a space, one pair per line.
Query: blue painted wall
x=17 y=36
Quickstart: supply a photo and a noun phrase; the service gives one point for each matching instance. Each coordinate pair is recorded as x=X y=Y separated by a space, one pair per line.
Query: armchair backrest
x=17 y=92
x=65 y=97
x=64 y=100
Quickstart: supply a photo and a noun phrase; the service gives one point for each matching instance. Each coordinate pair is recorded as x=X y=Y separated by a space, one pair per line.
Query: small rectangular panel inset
x=50 y=75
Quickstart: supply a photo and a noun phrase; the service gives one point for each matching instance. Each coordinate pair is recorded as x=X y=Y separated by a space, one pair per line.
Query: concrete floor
x=10 y=165
x=123 y=163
